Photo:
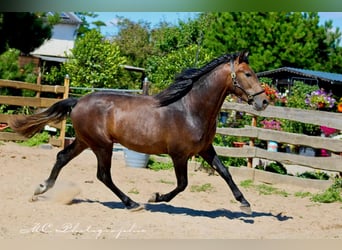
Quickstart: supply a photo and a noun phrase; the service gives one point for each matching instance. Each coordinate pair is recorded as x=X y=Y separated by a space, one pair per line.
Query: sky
x=336 y=17
x=154 y=18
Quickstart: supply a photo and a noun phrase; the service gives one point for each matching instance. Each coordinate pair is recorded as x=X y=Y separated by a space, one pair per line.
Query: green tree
x=168 y=38
x=9 y=67
x=85 y=26
x=134 y=41
x=24 y=31
x=162 y=69
x=95 y=62
x=275 y=39
x=175 y=48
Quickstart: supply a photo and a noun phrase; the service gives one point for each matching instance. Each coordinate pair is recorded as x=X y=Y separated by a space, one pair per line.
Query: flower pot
x=272 y=146
x=339 y=107
x=238 y=144
x=320 y=105
x=135 y=159
x=325 y=153
x=307 y=151
x=291 y=149
x=223 y=117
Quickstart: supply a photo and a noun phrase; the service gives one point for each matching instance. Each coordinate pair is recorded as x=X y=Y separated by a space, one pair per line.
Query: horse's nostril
x=265 y=102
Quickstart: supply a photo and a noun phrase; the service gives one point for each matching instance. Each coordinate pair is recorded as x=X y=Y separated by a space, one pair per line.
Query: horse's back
x=106 y=115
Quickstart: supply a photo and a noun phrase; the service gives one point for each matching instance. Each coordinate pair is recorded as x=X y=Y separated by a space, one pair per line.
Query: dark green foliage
x=276 y=167
x=275 y=39
x=9 y=67
x=24 y=31
x=314 y=175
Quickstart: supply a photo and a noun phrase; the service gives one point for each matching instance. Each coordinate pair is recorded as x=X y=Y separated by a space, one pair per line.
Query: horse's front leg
x=63 y=157
x=181 y=170
x=211 y=157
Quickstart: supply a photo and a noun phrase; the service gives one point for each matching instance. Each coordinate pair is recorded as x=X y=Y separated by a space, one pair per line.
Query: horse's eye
x=248 y=74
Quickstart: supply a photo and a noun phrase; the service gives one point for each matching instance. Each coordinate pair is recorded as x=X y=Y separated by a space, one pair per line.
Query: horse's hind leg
x=63 y=157
x=104 y=160
x=181 y=170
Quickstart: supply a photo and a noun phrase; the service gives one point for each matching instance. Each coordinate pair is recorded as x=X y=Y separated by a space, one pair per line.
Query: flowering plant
x=339 y=105
x=271 y=124
x=320 y=99
x=327 y=131
x=272 y=93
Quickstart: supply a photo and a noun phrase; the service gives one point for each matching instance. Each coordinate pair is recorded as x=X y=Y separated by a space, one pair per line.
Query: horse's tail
x=30 y=125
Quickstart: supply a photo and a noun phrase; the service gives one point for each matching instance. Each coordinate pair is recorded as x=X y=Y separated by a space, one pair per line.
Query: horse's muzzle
x=260 y=102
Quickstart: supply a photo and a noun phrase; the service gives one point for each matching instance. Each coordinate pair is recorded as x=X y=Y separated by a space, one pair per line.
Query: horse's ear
x=243 y=57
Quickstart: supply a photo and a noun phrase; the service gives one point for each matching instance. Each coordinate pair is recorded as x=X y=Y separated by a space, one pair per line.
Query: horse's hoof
x=154 y=197
x=246 y=209
x=137 y=208
x=40 y=189
x=33 y=198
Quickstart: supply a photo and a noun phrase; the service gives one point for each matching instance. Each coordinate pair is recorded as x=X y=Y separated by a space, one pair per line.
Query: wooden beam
x=284 y=137
x=27 y=101
x=325 y=163
x=9 y=136
x=32 y=86
x=322 y=118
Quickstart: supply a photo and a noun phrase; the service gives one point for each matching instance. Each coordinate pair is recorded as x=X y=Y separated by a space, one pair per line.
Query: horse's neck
x=207 y=99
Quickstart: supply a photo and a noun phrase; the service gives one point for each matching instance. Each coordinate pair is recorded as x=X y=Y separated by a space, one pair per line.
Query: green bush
x=314 y=175
x=157 y=166
x=276 y=167
x=37 y=139
x=332 y=194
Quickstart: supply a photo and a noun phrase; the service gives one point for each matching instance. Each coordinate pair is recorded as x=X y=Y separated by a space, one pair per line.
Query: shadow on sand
x=174 y=210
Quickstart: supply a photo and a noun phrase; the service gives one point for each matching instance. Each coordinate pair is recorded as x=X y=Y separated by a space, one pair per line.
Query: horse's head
x=245 y=83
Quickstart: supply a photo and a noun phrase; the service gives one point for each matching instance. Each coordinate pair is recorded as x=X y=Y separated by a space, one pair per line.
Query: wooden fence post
x=39 y=82
x=145 y=86
x=65 y=96
x=251 y=143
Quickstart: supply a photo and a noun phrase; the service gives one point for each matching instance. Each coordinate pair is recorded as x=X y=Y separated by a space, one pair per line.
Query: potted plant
x=339 y=105
x=297 y=99
x=275 y=125
x=319 y=99
x=271 y=93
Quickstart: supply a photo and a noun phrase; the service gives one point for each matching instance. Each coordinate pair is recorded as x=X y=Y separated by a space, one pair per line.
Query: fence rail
x=37 y=102
x=334 y=120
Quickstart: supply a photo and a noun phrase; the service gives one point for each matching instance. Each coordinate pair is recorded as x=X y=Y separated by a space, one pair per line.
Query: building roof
x=63 y=38
x=68 y=17
x=332 y=78
x=54 y=48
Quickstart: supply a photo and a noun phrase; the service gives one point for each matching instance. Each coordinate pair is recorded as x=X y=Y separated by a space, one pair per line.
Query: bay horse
x=179 y=121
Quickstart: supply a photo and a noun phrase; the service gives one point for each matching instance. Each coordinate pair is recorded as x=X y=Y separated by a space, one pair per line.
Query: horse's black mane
x=185 y=80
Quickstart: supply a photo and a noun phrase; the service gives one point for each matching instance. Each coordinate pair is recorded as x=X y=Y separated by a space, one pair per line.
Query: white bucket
x=135 y=159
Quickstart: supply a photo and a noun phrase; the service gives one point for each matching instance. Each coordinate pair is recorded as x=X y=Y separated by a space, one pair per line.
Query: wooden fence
x=36 y=102
x=333 y=120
